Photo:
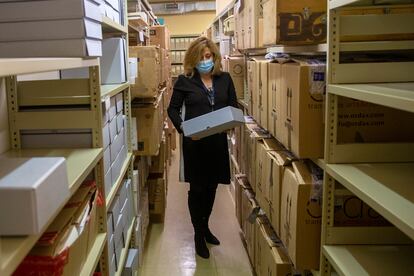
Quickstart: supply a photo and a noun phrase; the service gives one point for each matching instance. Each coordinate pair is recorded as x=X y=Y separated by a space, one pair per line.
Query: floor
x=170 y=246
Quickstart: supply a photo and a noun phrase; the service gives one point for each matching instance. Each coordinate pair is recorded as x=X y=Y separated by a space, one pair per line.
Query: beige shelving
x=313 y=49
x=368 y=260
x=93 y=257
x=109 y=90
x=109 y=26
x=119 y=181
x=80 y=163
x=384 y=187
x=18 y=66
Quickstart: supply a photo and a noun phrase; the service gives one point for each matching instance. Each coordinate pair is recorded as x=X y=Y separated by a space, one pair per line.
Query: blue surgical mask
x=205 y=66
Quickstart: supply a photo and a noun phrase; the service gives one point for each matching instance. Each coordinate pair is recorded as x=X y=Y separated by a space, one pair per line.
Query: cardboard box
x=149 y=68
x=249 y=209
x=253 y=20
x=294 y=23
x=275 y=100
x=352 y=211
x=240 y=185
x=158 y=162
x=274 y=166
x=49 y=10
x=263 y=94
x=301 y=212
x=235 y=66
x=50 y=30
x=79 y=47
x=131 y=264
x=36 y=188
x=253 y=84
x=157 y=199
x=160 y=36
x=113 y=67
x=213 y=122
x=133 y=70
x=303 y=89
x=148 y=123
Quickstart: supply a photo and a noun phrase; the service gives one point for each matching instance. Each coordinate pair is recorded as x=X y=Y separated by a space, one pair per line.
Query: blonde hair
x=194 y=54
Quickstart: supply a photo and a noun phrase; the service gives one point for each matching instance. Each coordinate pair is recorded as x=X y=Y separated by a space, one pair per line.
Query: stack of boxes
x=114 y=139
x=179 y=45
x=119 y=224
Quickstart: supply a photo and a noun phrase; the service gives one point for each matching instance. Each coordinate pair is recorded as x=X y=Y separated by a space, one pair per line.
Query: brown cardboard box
x=257 y=85
x=294 y=22
x=301 y=216
x=149 y=119
x=251 y=81
x=271 y=257
x=158 y=162
x=240 y=185
x=274 y=99
x=160 y=36
x=253 y=133
x=263 y=94
x=302 y=112
x=239 y=27
x=149 y=71
x=274 y=166
x=157 y=199
x=235 y=66
x=365 y=122
x=253 y=24
x=165 y=66
x=248 y=206
x=352 y=211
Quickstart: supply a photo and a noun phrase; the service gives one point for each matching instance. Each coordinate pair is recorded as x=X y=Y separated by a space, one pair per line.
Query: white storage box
x=117 y=145
x=112 y=108
x=114 y=4
x=79 y=47
x=117 y=165
x=119 y=122
x=112 y=130
x=108 y=182
x=50 y=30
x=106 y=136
x=31 y=192
x=113 y=67
x=213 y=122
x=75 y=73
x=131 y=264
x=110 y=227
x=119 y=102
x=115 y=211
x=60 y=138
x=112 y=14
x=105 y=111
x=111 y=244
x=133 y=70
x=49 y=10
x=107 y=159
x=112 y=265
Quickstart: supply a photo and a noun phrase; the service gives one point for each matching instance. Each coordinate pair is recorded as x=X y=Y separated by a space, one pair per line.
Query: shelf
x=320 y=163
x=137 y=22
x=384 y=187
x=333 y=4
x=110 y=26
x=80 y=163
x=320 y=48
x=118 y=182
x=94 y=255
x=109 y=90
x=19 y=66
x=243 y=103
x=376 y=45
x=124 y=252
x=367 y=260
x=394 y=95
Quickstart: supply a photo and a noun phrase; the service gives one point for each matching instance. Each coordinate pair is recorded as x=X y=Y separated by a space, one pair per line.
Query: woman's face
x=206 y=55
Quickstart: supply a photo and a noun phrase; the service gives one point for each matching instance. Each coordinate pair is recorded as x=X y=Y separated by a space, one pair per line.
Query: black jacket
x=206 y=159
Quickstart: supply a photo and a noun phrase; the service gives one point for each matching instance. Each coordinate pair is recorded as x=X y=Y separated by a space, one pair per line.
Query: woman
x=202 y=89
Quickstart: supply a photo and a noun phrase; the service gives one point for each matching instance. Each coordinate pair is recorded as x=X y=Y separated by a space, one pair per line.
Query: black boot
x=194 y=206
x=208 y=208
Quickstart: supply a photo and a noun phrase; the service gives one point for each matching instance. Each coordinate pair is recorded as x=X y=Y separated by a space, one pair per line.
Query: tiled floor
x=170 y=246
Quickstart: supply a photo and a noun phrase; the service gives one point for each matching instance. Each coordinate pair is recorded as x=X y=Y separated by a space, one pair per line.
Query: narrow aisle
x=170 y=246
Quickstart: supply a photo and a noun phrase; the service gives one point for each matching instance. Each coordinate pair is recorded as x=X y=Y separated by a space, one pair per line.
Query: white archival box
x=50 y=30
x=31 y=192
x=113 y=67
x=214 y=122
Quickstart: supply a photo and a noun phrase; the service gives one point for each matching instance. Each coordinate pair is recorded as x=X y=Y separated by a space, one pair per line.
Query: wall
x=191 y=23
x=4 y=121
x=221 y=4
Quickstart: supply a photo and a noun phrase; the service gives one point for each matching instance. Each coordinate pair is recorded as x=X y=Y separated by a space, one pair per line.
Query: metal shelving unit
x=110 y=90
x=109 y=26
x=124 y=252
x=91 y=261
x=377 y=173
x=118 y=182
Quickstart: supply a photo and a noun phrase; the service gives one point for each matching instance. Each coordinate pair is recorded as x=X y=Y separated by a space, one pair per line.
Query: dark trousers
x=200 y=203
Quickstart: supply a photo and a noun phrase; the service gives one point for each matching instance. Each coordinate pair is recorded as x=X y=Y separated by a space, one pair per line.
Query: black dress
x=207 y=159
